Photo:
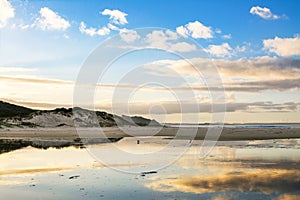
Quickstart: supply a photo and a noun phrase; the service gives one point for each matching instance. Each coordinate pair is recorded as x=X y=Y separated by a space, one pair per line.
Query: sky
x=175 y=61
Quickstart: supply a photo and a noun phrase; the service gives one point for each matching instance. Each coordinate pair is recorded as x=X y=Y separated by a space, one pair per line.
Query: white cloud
x=117 y=17
x=112 y=27
x=24 y=26
x=283 y=46
x=6 y=12
x=129 y=35
x=218 y=31
x=264 y=13
x=227 y=37
x=165 y=40
x=181 y=30
x=196 y=30
x=241 y=48
x=49 y=20
x=66 y=36
x=171 y=35
x=182 y=47
x=93 y=31
x=223 y=50
x=159 y=39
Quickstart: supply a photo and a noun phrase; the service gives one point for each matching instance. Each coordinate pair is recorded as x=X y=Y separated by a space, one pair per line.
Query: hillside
x=140 y=121
x=17 y=116
x=11 y=110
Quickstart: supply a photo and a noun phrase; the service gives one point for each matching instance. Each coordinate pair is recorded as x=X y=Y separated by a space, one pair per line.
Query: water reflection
x=239 y=171
x=11 y=145
x=233 y=170
x=35 y=170
x=7 y=145
x=288 y=197
x=263 y=181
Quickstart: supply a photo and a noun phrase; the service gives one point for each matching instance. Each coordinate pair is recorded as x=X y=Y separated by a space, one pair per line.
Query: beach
x=198 y=133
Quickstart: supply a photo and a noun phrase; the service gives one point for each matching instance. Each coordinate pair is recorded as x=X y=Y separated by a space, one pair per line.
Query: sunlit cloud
x=6 y=12
x=129 y=35
x=223 y=50
x=177 y=107
x=283 y=46
x=258 y=86
x=35 y=90
x=34 y=80
x=38 y=105
x=239 y=70
x=63 y=90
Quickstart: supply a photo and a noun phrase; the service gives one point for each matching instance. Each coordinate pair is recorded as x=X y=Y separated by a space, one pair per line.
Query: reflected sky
x=263 y=181
x=233 y=170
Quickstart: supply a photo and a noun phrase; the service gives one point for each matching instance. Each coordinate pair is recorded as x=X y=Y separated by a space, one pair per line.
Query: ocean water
x=256 y=125
x=265 y=169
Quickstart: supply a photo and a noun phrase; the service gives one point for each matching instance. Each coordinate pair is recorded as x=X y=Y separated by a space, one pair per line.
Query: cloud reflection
x=36 y=170
x=288 y=197
x=264 y=181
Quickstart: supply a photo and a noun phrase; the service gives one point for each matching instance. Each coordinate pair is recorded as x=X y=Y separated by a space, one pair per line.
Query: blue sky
x=47 y=40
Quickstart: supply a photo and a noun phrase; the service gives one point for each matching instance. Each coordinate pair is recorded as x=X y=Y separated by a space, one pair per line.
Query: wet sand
x=227 y=134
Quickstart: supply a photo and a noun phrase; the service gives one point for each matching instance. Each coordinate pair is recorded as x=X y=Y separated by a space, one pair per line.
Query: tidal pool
x=266 y=169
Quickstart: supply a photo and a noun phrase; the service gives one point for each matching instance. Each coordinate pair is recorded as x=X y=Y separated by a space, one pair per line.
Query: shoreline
x=71 y=133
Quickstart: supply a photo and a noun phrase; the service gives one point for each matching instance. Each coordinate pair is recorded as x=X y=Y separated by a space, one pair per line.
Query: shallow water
x=266 y=169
